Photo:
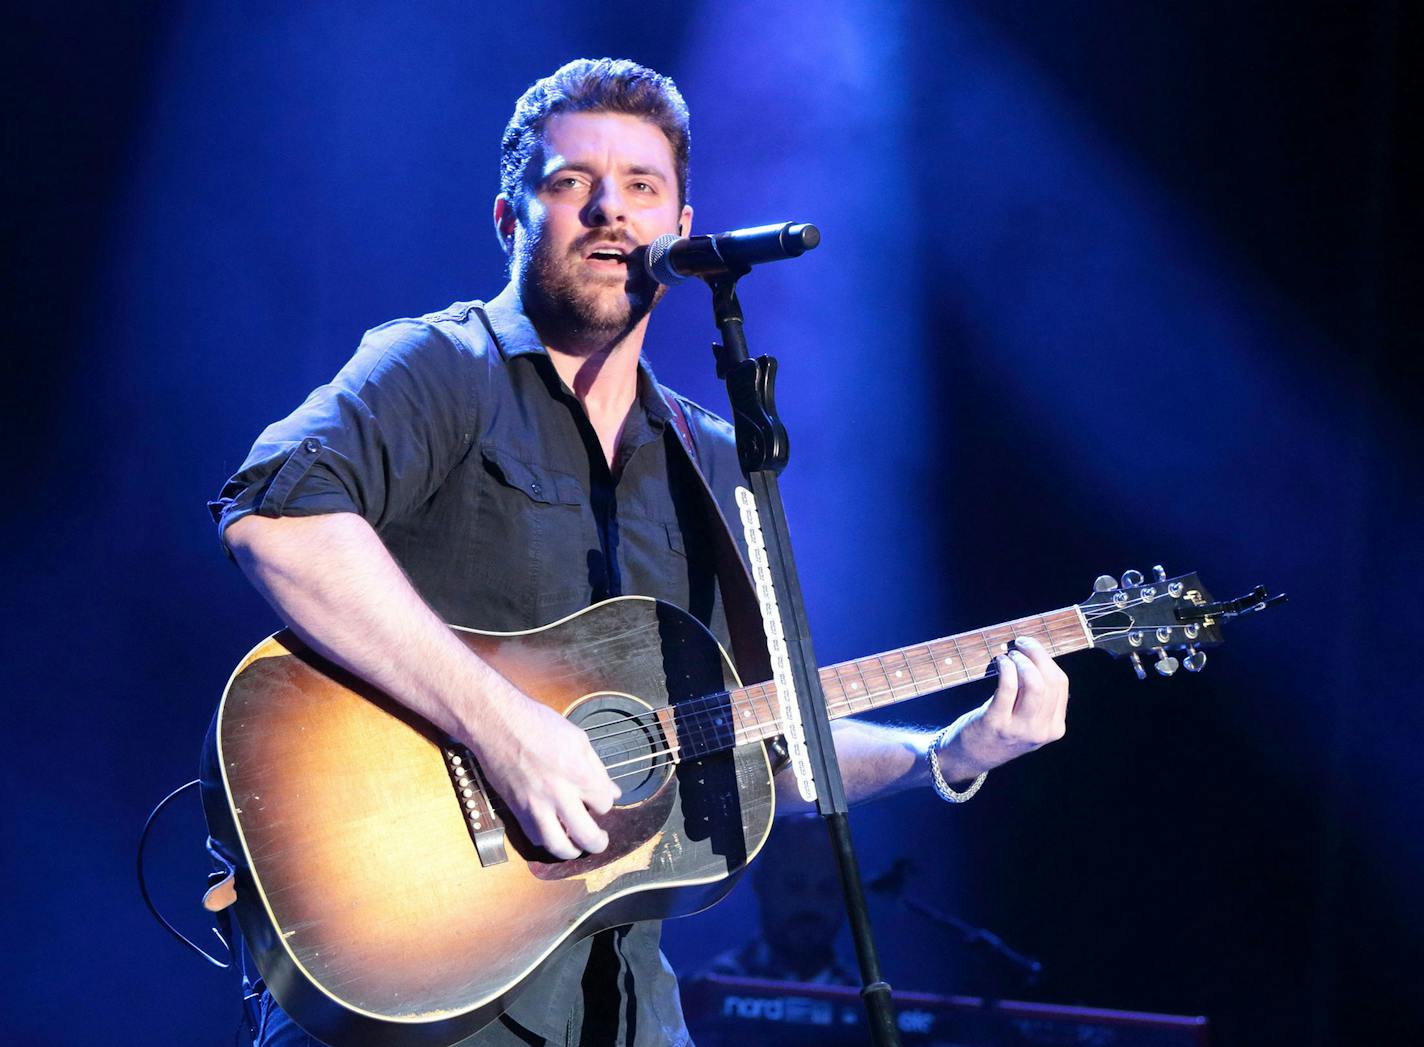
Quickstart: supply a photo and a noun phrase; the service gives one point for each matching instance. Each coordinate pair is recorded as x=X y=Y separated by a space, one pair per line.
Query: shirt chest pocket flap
x=536 y=482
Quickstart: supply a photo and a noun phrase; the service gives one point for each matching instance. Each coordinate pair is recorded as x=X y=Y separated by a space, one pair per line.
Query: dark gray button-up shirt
x=454 y=437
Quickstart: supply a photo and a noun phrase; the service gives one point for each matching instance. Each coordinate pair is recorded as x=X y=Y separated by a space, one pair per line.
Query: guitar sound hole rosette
x=628 y=737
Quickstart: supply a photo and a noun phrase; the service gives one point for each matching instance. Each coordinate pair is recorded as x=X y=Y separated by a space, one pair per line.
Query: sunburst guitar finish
x=373 y=915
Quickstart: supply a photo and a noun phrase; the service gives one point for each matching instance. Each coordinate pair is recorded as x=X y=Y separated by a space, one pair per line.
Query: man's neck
x=604 y=377
x=599 y=366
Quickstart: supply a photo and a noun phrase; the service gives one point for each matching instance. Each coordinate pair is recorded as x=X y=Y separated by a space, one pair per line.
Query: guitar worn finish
x=364 y=901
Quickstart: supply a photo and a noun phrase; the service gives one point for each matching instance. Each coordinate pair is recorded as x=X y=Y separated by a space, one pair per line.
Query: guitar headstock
x=1133 y=616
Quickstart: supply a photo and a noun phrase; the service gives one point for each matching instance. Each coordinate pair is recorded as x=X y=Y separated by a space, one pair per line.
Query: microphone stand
x=892 y=884
x=980 y=938
x=995 y=1024
x=763 y=453
x=991 y=1023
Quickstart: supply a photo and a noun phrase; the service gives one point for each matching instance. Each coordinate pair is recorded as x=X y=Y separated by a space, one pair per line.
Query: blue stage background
x=1103 y=284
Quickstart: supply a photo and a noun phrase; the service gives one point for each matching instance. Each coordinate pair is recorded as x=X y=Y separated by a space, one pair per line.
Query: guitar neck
x=910 y=672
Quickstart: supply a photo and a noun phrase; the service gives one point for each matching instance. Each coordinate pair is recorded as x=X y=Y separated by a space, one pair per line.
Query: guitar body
x=371 y=913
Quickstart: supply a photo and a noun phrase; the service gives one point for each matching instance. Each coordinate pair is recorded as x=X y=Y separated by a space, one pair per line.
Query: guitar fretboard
x=877 y=681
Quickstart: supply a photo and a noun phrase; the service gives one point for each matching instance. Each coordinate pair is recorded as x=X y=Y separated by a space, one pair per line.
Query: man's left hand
x=1028 y=710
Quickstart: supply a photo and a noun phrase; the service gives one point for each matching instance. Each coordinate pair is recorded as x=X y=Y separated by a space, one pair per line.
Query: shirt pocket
x=537 y=482
x=532 y=541
x=674 y=537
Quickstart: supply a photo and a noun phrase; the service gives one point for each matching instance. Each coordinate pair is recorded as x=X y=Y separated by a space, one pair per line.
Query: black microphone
x=672 y=259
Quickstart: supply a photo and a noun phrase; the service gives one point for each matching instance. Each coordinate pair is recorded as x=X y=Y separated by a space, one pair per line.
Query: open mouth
x=608 y=253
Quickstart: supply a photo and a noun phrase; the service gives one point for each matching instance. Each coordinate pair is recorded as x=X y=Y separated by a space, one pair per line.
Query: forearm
x=878 y=760
x=875 y=761
x=333 y=582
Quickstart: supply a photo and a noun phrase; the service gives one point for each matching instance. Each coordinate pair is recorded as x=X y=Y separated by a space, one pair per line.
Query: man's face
x=799 y=895
x=599 y=186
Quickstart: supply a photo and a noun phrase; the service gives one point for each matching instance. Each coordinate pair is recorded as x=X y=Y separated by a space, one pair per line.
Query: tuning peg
x=1165 y=665
x=1195 y=661
x=1137 y=665
x=1160 y=572
x=1131 y=579
x=1104 y=583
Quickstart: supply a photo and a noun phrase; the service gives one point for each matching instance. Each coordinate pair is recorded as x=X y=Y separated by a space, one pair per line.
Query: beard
x=804 y=937
x=569 y=303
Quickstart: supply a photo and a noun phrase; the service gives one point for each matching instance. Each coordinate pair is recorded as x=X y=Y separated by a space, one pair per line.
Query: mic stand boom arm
x=763 y=453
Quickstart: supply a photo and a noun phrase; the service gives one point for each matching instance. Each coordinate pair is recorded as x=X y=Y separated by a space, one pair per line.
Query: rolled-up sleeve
x=376 y=441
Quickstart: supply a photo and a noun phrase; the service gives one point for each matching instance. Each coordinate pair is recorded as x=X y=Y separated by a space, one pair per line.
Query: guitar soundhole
x=628 y=738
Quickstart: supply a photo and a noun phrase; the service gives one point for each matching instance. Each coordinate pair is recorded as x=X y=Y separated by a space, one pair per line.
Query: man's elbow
x=240 y=535
x=255 y=537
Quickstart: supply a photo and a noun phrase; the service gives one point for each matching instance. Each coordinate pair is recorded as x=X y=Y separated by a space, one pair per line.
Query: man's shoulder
x=459 y=323
x=451 y=344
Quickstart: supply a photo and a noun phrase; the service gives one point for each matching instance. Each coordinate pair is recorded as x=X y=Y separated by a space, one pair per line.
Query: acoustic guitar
x=388 y=898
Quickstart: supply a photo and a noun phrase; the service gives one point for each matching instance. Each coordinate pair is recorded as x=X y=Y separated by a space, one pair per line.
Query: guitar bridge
x=486 y=827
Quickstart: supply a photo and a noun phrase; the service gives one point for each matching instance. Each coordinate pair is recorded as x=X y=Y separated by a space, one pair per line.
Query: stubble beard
x=570 y=305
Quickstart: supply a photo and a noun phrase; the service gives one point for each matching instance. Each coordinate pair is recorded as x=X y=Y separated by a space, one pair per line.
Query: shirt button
x=535 y=489
x=311 y=446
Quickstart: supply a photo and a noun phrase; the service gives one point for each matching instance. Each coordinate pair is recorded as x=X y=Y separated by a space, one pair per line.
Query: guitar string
x=694 y=708
x=692 y=715
x=697 y=719
x=657 y=759
x=700 y=713
x=872 y=697
x=921 y=659
x=674 y=750
x=924 y=655
x=838 y=706
x=686 y=711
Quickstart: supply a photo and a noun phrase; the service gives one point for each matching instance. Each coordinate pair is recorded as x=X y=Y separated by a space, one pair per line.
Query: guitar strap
x=734 y=578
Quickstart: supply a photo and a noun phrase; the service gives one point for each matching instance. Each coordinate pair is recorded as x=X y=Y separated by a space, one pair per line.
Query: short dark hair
x=593 y=85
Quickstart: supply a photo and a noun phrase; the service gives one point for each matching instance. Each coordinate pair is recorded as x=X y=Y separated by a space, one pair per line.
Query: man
x=800 y=910
x=502 y=465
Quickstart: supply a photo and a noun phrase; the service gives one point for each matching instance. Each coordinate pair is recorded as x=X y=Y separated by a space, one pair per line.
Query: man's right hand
x=335 y=584
x=545 y=770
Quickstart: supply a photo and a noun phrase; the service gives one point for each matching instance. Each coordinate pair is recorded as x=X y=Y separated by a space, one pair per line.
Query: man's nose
x=607 y=205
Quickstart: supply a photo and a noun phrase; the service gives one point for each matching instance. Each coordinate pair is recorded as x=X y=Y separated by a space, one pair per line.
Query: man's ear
x=684 y=221
x=505 y=219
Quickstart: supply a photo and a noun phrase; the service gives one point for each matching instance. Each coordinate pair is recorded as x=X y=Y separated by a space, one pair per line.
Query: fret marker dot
x=949 y=661
x=899 y=672
x=854 y=686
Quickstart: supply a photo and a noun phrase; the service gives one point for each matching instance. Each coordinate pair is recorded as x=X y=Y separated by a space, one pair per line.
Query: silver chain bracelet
x=941 y=786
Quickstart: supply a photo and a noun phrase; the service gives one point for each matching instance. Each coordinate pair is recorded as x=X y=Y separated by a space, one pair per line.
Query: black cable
x=143 y=886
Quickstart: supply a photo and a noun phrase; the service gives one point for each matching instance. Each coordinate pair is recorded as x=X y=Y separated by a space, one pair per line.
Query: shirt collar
x=515 y=336
x=513 y=332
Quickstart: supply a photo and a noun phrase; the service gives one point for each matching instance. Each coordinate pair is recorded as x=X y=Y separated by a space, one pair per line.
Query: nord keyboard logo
x=794 y=1010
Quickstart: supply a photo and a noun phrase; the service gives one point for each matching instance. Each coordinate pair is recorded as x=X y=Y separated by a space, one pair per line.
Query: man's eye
x=567 y=182
x=644 y=187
